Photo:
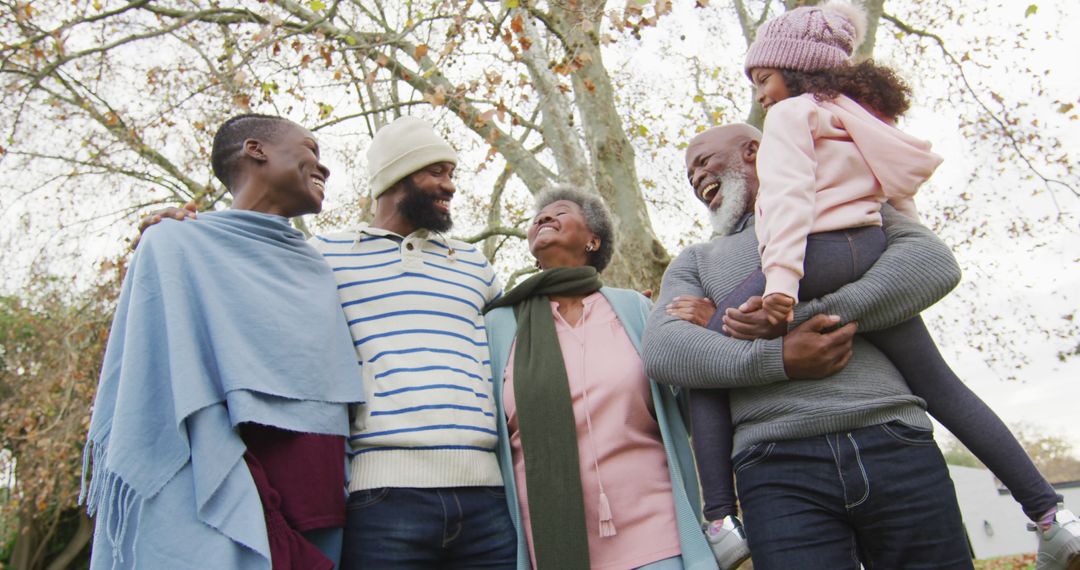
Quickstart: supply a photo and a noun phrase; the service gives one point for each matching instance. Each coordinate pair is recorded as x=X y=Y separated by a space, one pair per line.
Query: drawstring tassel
x=607 y=526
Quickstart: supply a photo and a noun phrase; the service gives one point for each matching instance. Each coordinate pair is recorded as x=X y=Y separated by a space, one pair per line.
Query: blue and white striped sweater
x=413 y=305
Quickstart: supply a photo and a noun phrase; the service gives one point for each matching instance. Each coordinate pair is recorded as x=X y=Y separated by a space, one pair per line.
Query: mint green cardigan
x=632 y=309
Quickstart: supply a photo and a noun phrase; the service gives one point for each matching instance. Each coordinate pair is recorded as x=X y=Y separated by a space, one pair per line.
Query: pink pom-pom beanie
x=808 y=38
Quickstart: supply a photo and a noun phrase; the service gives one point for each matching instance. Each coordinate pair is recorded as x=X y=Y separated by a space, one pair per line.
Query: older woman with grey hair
x=595 y=456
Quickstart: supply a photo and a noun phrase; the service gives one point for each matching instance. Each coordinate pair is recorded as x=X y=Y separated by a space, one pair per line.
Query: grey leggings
x=834 y=259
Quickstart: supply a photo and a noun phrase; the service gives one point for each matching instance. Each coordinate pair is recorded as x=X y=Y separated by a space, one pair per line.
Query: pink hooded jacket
x=824 y=166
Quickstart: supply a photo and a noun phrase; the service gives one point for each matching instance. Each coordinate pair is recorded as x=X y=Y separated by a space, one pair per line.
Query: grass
x=1019 y=562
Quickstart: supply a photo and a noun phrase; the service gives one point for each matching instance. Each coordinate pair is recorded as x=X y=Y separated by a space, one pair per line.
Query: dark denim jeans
x=399 y=528
x=880 y=496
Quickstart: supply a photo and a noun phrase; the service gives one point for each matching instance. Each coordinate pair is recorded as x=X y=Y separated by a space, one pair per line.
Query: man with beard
x=730 y=194
x=425 y=490
x=835 y=458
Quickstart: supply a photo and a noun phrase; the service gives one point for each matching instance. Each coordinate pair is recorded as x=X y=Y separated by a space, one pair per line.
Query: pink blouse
x=619 y=442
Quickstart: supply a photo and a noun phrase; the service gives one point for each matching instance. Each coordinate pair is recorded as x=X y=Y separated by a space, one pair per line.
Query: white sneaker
x=1059 y=545
x=728 y=542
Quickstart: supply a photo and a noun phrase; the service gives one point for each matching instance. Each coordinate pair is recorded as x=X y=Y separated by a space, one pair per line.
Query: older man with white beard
x=806 y=400
x=728 y=153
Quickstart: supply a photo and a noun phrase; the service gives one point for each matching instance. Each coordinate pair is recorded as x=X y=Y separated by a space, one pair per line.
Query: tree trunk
x=26 y=543
x=74 y=546
x=874 y=9
x=640 y=258
x=30 y=551
x=557 y=123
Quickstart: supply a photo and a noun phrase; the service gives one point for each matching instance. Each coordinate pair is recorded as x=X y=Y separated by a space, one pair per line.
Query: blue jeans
x=327 y=540
x=403 y=528
x=879 y=495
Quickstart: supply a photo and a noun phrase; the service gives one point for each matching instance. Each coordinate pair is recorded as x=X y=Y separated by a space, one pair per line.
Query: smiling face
x=706 y=164
x=721 y=168
x=427 y=193
x=559 y=236
x=769 y=86
x=294 y=172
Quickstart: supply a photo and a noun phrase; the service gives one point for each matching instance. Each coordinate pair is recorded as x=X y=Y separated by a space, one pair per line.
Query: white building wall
x=995 y=524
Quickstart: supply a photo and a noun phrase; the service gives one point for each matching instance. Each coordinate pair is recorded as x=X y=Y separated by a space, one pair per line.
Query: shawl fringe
x=119 y=504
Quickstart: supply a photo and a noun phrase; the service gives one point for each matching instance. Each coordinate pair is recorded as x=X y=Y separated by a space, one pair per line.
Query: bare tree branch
x=366 y=113
x=531 y=171
x=518 y=274
x=494 y=215
x=498 y=231
x=1003 y=127
x=113 y=122
x=557 y=111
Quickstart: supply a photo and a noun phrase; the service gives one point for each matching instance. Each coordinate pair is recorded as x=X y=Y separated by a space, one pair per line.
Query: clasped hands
x=813 y=350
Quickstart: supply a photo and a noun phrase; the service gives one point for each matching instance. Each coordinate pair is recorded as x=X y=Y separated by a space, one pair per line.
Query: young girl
x=829 y=157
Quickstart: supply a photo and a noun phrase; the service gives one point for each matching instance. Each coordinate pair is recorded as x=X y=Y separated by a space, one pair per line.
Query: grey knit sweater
x=915 y=271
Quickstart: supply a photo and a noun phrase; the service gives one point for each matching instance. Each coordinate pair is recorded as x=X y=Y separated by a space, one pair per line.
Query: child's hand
x=778 y=307
x=750 y=322
x=697 y=310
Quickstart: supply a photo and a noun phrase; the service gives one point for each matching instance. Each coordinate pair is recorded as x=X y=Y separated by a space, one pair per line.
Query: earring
x=537 y=264
x=588 y=248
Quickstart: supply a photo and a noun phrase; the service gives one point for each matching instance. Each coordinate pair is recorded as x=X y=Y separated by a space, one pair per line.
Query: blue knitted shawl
x=226 y=319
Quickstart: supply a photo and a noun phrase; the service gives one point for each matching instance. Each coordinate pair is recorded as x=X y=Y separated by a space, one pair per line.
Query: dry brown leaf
x=437 y=98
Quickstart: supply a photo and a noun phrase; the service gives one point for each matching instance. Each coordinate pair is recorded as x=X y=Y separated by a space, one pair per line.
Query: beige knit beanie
x=403 y=147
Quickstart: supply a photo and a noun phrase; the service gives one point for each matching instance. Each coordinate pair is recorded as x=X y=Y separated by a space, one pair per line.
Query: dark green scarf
x=546 y=418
